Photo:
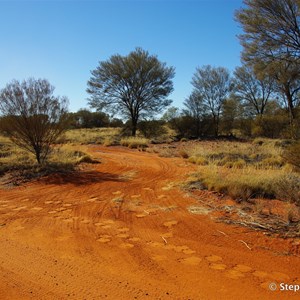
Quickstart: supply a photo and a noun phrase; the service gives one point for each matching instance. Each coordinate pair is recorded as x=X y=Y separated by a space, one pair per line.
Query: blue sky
x=63 y=41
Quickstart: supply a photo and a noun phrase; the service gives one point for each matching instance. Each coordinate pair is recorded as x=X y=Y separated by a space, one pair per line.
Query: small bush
x=183 y=154
x=272 y=162
x=109 y=141
x=241 y=184
x=152 y=128
x=202 y=161
x=288 y=188
x=134 y=142
x=292 y=155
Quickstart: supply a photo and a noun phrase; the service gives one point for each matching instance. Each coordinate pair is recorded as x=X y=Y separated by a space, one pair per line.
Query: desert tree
x=253 y=92
x=32 y=116
x=214 y=84
x=85 y=118
x=287 y=75
x=134 y=86
x=271 y=29
x=194 y=107
x=271 y=44
x=232 y=112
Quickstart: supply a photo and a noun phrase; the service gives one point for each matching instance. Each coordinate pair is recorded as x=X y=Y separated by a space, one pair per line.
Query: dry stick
x=164 y=240
x=245 y=244
x=222 y=232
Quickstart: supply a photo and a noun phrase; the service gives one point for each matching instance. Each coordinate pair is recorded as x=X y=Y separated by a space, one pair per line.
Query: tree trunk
x=133 y=127
x=216 y=123
x=292 y=114
x=198 y=128
x=38 y=156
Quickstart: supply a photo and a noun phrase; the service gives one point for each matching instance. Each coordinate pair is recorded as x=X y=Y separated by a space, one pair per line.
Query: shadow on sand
x=80 y=178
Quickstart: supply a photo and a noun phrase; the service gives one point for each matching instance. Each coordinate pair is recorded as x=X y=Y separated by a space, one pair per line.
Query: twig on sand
x=222 y=232
x=166 y=242
x=245 y=244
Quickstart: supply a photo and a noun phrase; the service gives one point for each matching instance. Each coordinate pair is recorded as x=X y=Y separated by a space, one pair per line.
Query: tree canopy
x=213 y=85
x=271 y=42
x=271 y=29
x=135 y=86
x=252 y=91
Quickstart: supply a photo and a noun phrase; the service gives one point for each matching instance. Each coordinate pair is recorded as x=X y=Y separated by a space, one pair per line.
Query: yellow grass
x=106 y=136
x=243 y=170
x=134 y=142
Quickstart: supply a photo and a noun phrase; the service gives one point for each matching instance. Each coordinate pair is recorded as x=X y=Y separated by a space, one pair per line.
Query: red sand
x=122 y=230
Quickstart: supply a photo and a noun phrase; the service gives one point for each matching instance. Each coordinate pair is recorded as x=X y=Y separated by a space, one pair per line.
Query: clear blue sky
x=63 y=41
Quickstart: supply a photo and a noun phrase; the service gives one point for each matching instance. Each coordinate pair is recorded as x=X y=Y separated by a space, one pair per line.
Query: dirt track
x=122 y=231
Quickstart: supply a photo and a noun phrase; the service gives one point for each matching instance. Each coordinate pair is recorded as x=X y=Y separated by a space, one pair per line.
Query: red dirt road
x=122 y=230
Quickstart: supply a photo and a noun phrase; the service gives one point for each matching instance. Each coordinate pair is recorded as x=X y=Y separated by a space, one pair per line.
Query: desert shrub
x=270 y=126
x=183 y=154
x=258 y=141
x=241 y=184
x=238 y=164
x=249 y=169
x=272 y=162
x=152 y=129
x=134 y=142
x=61 y=159
x=198 y=160
x=283 y=143
x=109 y=141
x=70 y=155
x=288 y=188
x=92 y=135
x=292 y=155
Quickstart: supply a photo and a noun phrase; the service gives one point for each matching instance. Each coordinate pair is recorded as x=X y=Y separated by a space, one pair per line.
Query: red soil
x=122 y=230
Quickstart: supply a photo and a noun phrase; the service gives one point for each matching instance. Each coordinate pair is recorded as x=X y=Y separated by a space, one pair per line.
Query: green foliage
x=253 y=92
x=152 y=128
x=271 y=43
x=212 y=85
x=135 y=86
x=87 y=119
x=270 y=28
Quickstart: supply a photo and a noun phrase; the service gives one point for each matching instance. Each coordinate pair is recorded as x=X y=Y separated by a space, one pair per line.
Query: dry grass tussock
x=134 y=142
x=22 y=165
x=105 y=136
x=242 y=170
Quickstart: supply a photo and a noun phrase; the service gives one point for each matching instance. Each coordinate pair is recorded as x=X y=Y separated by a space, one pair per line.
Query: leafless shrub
x=31 y=116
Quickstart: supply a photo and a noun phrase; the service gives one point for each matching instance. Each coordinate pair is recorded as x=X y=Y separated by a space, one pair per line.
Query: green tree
x=271 y=29
x=85 y=118
x=32 y=117
x=194 y=107
x=135 y=86
x=214 y=85
x=271 y=43
x=231 y=112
